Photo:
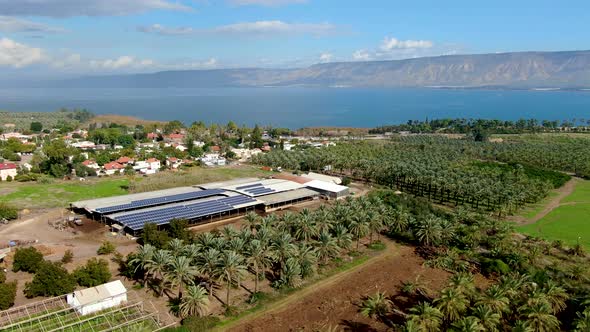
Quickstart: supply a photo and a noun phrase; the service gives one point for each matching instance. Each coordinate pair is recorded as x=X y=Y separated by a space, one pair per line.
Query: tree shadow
x=350 y=325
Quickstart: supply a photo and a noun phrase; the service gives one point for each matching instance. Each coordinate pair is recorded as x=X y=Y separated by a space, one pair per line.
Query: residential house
x=124 y=160
x=213 y=159
x=154 y=164
x=173 y=162
x=113 y=168
x=7 y=170
x=90 y=163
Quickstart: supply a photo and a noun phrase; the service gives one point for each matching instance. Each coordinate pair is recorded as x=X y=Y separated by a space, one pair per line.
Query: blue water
x=299 y=107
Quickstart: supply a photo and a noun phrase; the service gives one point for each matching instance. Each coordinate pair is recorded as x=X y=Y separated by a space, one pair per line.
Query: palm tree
x=521 y=326
x=429 y=231
x=305 y=228
x=582 y=322
x=342 y=236
x=495 y=299
x=326 y=247
x=468 y=324
x=376 y=306
x=307 y=259
x=252 y=220
x=181 y=272
x=358 y=227
x=195 y=302
x=463 y=283
x=231 y=267
x=539 y=318
x=426 y=317
x=158 y=265
x=557 y=297
x=207 y=264
x=142 y=258
x=452 y=304
x=258 y=257
x=176 y=246
x=290 y=274
x=282 y=248
x=488 y=318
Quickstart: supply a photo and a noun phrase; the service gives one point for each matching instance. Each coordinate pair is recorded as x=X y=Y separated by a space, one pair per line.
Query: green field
x=59 y=193
x=570 y=222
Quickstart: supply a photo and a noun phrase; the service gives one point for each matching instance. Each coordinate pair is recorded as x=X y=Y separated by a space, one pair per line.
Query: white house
x=89 y=300
x=213 y=159
x=6 y=170
x=84 y=145
x=154 y=163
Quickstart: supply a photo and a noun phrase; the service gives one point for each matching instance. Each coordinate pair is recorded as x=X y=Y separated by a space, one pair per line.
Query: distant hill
x=521 y=70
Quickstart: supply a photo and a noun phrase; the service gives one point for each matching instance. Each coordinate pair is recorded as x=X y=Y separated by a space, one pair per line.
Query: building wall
x=97 y=306
x=5 y=173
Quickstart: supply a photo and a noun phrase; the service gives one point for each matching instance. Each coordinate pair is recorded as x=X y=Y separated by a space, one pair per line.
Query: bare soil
x=335 y=301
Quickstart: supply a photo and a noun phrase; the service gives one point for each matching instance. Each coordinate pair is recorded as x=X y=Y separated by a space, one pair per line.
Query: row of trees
x=535 y=285
x=283 y=250
x=442 y=172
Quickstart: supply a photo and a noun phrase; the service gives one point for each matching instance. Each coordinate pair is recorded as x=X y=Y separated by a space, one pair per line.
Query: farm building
x=204 y=203
x=89 y=300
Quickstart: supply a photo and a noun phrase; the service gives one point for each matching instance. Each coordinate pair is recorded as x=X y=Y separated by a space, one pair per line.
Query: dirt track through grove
x=563 y=192
x=334 y=301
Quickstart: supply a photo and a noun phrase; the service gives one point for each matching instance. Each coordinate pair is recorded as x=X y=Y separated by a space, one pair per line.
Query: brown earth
x=335 y=301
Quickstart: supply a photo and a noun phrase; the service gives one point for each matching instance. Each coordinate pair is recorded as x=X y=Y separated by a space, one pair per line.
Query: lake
x=300 y=107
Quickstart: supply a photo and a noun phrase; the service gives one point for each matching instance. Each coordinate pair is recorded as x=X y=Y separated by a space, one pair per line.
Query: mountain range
x=517 y=70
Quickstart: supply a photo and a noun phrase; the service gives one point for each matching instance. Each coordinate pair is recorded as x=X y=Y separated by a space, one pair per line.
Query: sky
x=60 y=38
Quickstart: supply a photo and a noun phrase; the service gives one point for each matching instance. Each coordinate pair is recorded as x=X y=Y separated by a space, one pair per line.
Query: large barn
x=199 y=204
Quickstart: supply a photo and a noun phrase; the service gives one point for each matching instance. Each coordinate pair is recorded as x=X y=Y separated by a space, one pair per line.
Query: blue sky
x=72 y=37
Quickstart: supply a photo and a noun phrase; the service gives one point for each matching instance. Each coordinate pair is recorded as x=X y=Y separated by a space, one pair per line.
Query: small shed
x=328 y=189
x=89 y=300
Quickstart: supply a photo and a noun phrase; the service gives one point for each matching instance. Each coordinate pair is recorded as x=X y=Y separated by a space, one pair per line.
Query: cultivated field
x=568 y=221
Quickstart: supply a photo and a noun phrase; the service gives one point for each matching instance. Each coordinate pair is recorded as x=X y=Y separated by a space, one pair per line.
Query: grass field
x=60 y=193
x=570 y=222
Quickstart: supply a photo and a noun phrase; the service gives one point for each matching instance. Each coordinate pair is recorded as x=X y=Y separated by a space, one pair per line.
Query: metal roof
x=287 y=196
x=325 y=186
x=100 y=293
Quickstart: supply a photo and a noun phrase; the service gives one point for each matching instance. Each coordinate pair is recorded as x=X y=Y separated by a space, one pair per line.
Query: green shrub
x=51 y=279
x=8 y=212
x=27 y=260
x=94 y=273
x=106 y=248
x=7 y=295
x=68 y=257
x=490 y=266
x=2 y=276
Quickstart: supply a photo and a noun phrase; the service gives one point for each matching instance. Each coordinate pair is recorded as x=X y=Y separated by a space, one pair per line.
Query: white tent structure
x=328 y=189
x=89 y=300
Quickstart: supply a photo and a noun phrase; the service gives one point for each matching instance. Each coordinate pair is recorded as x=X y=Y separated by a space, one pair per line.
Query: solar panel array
x=160 y=200
x=256 y=189
x=136 y=220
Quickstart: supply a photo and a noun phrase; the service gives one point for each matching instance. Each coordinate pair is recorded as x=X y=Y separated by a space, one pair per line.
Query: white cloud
x=122 y=62
x=13 y=24
x=246 y=28
x=390 y=44
x=18 y=55
x=162 y=30
x=68 y=8
x=274 y=27
x=266 y=3
x=326 y=57
x=361 y=55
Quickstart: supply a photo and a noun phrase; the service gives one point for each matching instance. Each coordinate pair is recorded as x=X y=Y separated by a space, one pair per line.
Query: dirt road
x=334 y=301
x=563 y=192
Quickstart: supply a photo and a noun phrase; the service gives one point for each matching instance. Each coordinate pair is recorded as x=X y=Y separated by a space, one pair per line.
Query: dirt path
x=563 y=192
x=333 y=301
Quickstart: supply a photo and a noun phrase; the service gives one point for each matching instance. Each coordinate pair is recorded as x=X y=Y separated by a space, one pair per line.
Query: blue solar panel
x=250 y=186
x=161 y=200
x=136 y=220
